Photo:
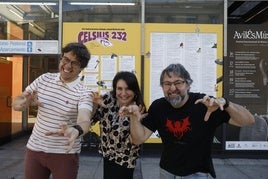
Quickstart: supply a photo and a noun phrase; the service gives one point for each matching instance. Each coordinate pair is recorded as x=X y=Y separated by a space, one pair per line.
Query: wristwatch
x=80 y=130
x=226 y=105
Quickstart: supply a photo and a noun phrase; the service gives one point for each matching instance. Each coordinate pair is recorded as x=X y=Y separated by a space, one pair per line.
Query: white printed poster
x=197 y=52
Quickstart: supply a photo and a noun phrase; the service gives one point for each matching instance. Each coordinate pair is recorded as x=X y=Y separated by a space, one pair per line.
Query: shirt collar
x=70 y=84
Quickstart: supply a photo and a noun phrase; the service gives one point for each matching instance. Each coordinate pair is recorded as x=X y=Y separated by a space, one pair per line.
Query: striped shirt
x=61 y=104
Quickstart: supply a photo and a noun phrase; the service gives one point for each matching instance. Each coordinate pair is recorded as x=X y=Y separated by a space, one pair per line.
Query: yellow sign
x=114 y=47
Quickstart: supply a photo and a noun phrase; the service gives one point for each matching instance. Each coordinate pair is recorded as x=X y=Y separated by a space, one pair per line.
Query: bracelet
x=226 y=105
x=80 y=130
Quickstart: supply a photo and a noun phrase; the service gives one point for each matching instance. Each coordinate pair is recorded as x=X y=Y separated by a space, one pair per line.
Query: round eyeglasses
x=74 y=64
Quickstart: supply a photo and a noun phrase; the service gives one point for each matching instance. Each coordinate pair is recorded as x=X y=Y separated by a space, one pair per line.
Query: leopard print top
x=115 y=142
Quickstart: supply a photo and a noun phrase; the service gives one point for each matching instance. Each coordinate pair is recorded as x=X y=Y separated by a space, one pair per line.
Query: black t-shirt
x=187 y=138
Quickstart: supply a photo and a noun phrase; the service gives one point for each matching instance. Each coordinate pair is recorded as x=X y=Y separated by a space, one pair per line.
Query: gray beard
x=175 y=101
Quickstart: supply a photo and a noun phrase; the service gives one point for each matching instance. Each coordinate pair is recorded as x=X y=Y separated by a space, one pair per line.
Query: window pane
x=184 y=11
x=37 y=19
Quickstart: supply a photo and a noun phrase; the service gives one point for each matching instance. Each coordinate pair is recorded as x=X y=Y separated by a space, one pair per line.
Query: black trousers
x=115 y=171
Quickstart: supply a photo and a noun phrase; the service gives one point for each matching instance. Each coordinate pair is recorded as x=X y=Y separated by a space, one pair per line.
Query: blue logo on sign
x=29 y=44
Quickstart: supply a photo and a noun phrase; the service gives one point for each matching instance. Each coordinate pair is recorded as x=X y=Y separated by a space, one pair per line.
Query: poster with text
x=197 y=47
x=246 y=83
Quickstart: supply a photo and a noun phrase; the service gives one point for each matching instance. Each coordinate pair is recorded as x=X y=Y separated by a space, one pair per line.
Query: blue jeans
x=166 y=175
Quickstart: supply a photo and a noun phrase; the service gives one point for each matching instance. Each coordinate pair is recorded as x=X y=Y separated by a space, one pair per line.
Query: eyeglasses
x=74 y=64
x=177 y=84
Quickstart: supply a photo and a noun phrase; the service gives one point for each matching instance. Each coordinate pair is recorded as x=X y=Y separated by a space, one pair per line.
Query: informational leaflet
x=108 y=66
x=93 y=64
x=101 y=70
x=127 y=63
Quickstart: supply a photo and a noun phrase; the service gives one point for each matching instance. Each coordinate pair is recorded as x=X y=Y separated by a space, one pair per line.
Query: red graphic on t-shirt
x=178 y=128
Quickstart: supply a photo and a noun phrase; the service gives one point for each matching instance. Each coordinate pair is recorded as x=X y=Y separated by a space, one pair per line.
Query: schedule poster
x=196 y=51
x=196 y=46
x=246 y=83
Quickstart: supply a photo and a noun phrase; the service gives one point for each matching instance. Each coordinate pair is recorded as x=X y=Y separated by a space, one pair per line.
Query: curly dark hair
x=80 y=51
